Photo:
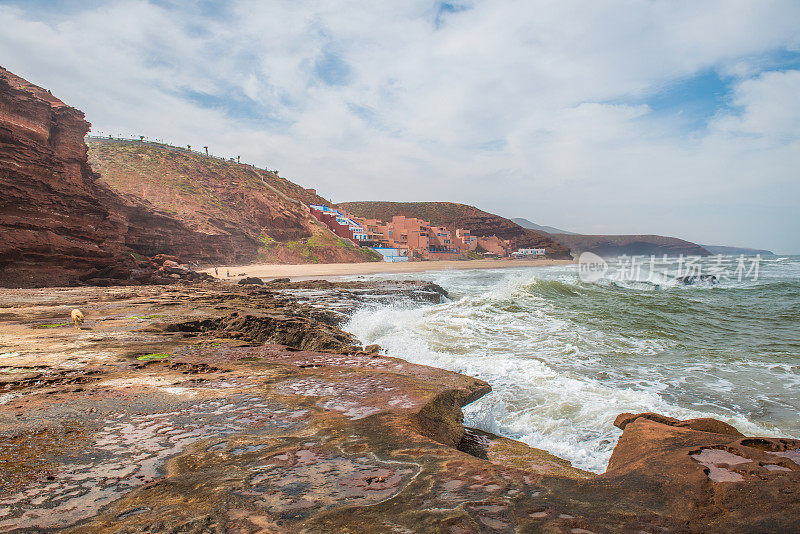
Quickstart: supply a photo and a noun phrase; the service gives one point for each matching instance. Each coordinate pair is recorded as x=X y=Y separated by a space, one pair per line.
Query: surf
x=565 y=356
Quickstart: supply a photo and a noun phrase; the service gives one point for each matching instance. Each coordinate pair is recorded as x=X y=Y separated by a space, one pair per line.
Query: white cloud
x=523 y=108
x=769 y=107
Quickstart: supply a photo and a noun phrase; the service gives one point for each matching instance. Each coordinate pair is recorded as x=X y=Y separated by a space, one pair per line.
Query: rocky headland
x=210 y=407
x=621 y=245
x=60 y=223
x=63 y=224
x=608 y=246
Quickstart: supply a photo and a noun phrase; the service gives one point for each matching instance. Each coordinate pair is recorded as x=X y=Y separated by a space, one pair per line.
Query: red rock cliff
x=60 y=223
x=54 y=224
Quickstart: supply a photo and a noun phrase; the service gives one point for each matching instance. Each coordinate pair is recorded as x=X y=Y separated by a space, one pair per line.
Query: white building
x=392 y=255
x=529 y=252
x=358 y=232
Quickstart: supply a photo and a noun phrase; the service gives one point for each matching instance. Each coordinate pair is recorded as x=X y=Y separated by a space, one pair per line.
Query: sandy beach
x=314 y=270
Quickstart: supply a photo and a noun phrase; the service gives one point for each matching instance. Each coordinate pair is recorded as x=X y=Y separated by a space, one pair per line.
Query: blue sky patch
x=693 y=100
x=365 y=113
x=781 y=60
x=372 y=118
x=53 y=10
x=235 y=105
x=495 y=145
x=331 y=70
x=446 y=8
x=208 y=9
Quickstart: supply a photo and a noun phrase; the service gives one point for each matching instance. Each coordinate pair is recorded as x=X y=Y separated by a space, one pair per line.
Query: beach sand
x=316 y=270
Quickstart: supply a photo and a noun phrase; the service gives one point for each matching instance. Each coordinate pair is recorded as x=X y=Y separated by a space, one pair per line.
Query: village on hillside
x=412 y=239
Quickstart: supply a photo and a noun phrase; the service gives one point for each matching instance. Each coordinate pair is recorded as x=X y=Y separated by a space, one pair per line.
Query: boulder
x=703 y=474
x=703 y=424
x=251 y=280
x=161 y=258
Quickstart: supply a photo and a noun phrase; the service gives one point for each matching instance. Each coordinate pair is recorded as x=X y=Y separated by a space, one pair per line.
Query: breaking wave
x=565 y=357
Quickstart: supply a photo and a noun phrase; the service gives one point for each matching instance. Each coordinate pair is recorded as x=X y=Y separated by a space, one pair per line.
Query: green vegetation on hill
x=323 y=247
x=438 y=213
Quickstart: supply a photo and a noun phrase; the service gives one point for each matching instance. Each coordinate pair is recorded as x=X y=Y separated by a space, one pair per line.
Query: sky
x=677 y=118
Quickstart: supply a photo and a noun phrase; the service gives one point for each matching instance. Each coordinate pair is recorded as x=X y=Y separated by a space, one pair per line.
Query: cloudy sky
x=678 y=117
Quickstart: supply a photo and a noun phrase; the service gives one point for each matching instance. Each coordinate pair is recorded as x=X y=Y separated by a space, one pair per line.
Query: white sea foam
x=561 y=370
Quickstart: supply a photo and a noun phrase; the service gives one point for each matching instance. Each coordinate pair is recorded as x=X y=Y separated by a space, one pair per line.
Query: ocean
x=565 y=355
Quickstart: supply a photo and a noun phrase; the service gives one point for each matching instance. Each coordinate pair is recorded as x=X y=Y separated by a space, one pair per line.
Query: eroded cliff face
x=54 y=224
x=62 y=224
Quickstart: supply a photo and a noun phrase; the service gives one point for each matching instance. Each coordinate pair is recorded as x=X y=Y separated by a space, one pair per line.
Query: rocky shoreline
x=209 y=407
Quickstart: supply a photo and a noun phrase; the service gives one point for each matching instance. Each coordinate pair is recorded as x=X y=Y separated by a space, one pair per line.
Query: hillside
x=453 y=215
x=735 y=251
x=61 y=224
x=248 y=214
x=617 y=245
x=630 y=245
x=525 y=223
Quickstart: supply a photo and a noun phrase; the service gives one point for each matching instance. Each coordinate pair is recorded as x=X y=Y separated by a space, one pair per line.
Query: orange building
x=469 y=240
x=495 y=245
x=421 y=239
x=414 y=238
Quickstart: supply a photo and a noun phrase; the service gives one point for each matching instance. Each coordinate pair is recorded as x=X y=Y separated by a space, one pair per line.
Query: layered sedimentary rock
x=61 y=223
x=239 y=409
x=55 y=225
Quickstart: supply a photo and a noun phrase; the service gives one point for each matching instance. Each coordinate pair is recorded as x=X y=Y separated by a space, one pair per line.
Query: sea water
x=564 y=356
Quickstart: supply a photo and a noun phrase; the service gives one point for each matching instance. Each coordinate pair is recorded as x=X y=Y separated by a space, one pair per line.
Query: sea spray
x=564 y=357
